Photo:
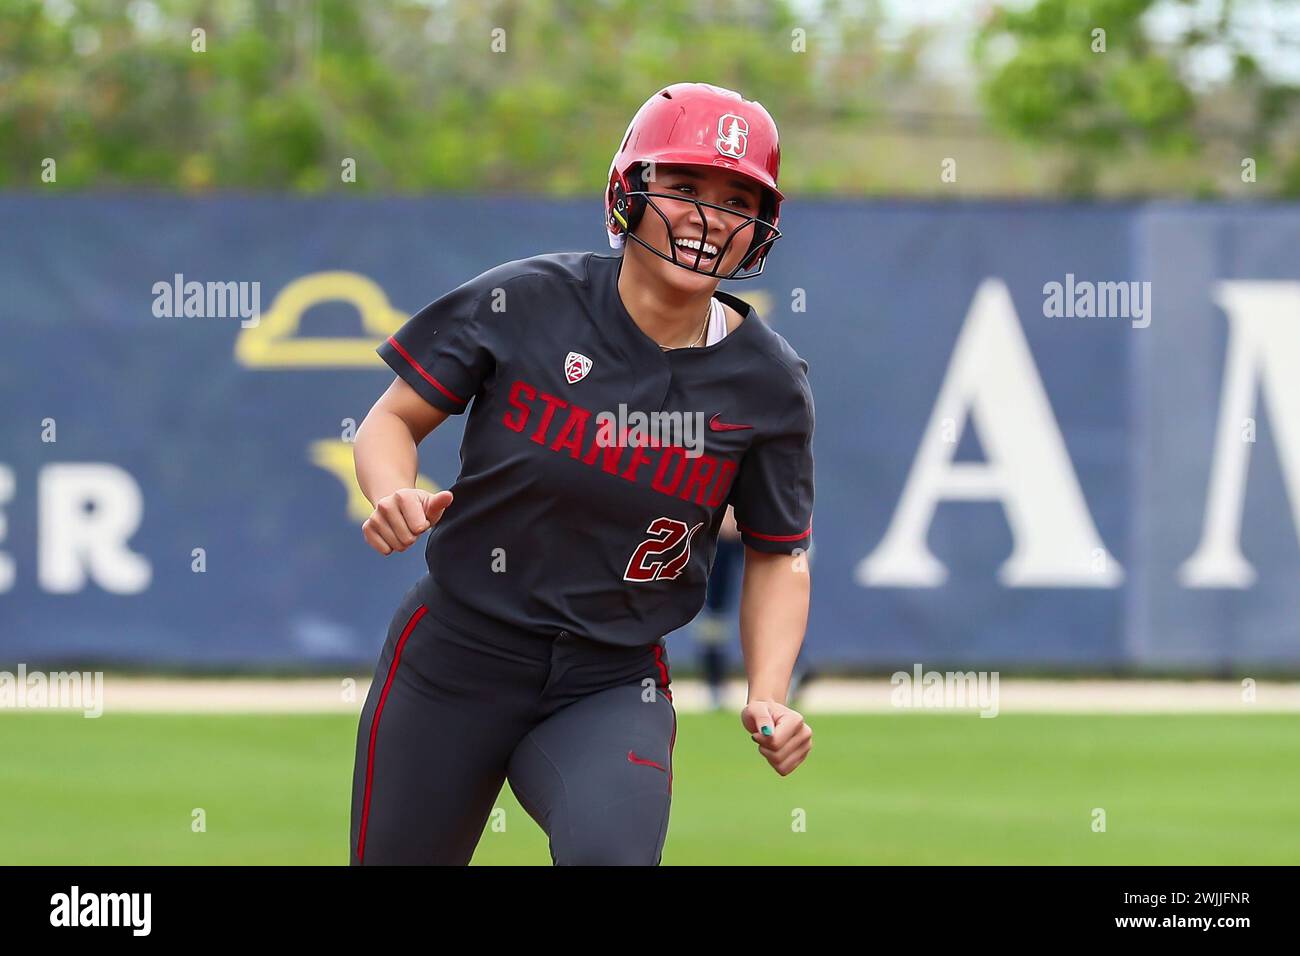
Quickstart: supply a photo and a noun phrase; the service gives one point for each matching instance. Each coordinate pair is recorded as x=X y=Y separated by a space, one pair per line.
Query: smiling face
x=739 y=199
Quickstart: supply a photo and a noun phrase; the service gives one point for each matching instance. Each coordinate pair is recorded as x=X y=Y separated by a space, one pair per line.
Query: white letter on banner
x=992 y=377
x=74 y=540
x=1263 y=352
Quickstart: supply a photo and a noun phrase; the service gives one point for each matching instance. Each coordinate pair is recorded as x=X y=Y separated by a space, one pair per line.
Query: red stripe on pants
x=374 y=727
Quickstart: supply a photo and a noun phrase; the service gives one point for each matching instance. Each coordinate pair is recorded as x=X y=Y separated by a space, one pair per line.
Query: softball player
x=532 y=651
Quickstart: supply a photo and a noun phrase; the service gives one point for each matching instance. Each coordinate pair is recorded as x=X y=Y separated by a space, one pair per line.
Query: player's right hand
x=400 y=518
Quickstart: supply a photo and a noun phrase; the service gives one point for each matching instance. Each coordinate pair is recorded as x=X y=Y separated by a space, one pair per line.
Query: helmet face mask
x=755 y=255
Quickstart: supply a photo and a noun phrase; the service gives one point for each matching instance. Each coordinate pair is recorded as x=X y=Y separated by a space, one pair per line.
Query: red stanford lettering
x=705 y=480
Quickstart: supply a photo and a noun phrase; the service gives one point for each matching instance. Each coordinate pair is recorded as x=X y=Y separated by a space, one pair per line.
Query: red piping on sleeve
x=774 y=537
x=392 y=340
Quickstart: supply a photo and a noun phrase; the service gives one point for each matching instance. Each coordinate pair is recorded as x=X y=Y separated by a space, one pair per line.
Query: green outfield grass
x=907 y=788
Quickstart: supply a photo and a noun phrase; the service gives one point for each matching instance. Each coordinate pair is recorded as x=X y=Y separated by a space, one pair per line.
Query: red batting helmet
x=695 y=124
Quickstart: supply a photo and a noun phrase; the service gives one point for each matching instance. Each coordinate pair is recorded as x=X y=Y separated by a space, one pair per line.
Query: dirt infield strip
x=826 y=695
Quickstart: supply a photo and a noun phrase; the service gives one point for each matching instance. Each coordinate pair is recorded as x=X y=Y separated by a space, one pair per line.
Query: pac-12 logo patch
x=733 y=135
x=576 y=367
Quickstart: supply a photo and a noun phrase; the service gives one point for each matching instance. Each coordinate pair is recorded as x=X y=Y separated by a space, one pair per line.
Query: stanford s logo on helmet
x=696 y=124
x=733 y=131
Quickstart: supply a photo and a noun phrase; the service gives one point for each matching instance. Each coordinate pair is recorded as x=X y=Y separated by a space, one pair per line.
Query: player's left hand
x=790 y=740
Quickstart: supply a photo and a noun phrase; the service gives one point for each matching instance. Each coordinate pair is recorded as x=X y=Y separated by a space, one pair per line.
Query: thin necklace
x=707 y=315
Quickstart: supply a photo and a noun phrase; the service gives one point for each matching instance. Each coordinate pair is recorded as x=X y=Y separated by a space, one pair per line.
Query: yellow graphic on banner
x=335 y=457
x=274 y=342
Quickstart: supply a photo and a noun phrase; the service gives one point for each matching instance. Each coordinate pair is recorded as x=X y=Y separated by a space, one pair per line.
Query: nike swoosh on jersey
x=718 y=426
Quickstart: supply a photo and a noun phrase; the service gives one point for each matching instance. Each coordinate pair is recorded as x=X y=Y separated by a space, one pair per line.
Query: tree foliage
x=1085 y=76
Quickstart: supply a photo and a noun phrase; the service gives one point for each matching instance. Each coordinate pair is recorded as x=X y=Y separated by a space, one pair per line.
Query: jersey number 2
x=649 y=561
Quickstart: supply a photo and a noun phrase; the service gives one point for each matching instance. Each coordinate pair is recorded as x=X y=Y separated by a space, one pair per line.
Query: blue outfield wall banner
x=1049 y=436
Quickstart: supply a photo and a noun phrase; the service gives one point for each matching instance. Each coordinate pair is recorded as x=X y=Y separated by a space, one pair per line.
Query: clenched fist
x=787 y=740
x=400 y=518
